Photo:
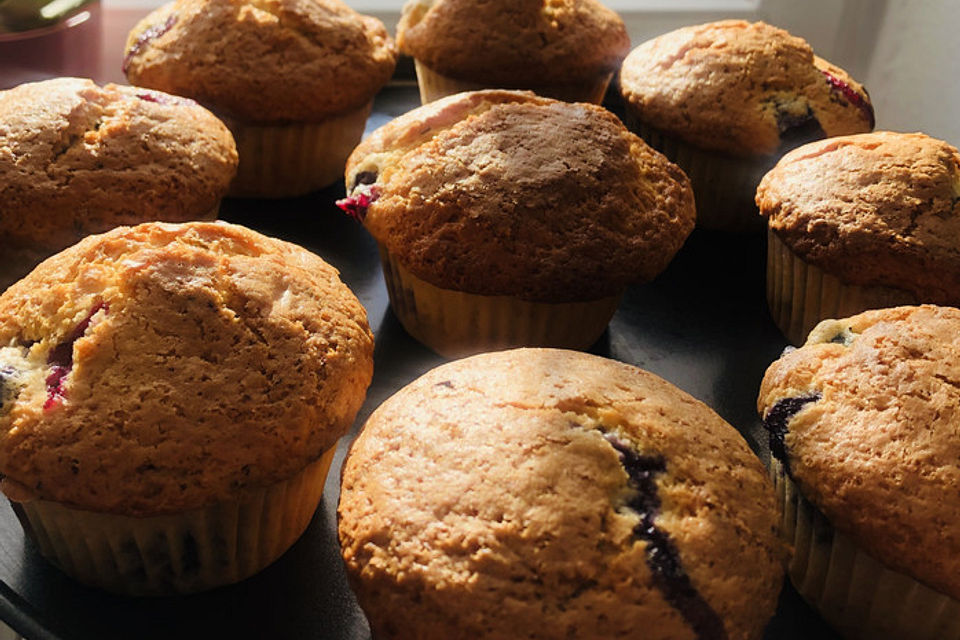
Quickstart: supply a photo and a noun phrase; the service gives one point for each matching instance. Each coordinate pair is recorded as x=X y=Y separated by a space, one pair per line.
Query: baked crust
x=263 y=61
x=737 y=87
x=162 y=368
x=486 y=500
x=873 y=209
x=77 y=159
x=514 y=43
x=876 y=449
x=507 y=193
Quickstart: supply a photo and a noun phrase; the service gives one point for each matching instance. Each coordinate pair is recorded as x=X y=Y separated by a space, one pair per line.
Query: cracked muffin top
x=162 y=367
x=741 y=88
x=514 y=43
x=77 y=159
x=267 y=61
x=507 y=193
x=873 y=209
x=865 y=418
x=540 y=493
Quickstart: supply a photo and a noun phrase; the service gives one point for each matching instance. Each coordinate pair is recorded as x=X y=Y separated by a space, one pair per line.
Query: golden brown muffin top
x=540 y=493
x=264 y=61
x=507 y=193
x=870 y=407
x=514 y=43
x=741 y=88
x=874 y=209
x=77 y=159
x=163 y=367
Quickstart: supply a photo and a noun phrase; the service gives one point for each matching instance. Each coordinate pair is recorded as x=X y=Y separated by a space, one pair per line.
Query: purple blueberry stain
x=356 y=204
x=60 y=360
x=775 y=422
x=9 y=379
x=146 y=36
x=364 y=177
x=663 y=559
x=849 y=94
x=797 y=129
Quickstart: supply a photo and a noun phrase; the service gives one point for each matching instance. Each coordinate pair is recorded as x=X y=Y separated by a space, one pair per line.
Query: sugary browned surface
x=514 y=43
x=215 y=358
x=505 y=193
x=878 y=452
x=263 y=61
x=484 y=501
x=874 y=209
x=721 y=85
x=77 y=159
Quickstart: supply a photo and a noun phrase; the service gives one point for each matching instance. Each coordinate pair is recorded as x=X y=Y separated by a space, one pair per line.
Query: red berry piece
x=840 y=87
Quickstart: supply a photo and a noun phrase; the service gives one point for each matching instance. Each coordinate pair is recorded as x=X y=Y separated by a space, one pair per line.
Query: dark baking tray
x=703 y=325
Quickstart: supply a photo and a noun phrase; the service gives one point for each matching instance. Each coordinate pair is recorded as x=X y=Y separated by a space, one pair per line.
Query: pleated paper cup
x=182 y=552
x=434 y=86
x=800 y=294
x=724 y=186
x=854 y=592
x=278 y=161
x=456 y=324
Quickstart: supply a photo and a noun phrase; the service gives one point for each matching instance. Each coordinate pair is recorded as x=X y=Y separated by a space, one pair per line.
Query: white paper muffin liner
x=278 y=161
x=856 y=594
x=434 y=86
x=182 y=552
x=800 y=295
x=455 y=324
x=724 y=186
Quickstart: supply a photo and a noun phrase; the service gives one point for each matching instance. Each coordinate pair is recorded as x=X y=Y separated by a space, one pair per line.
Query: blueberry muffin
x=863 y=428
x=564 y=49
x=76 y=159
x=294 y=80
x=507 y=219
x=170 y=401
x=541 y=493
x=725 y=100
x=861 y=222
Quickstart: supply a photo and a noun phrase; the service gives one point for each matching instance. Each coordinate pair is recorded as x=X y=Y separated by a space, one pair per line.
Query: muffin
x=77 y=159
x=564 y=49
x=863 y=428
x=171 y=399
x=507 y=219
x=861 y=222
x=725 y=100
x=542 y=493
x=294 y=80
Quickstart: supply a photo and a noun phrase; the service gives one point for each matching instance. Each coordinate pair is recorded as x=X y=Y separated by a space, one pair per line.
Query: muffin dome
x=515 y=44
x=268 y=62
x=162 y=368
x=77 y=159
x=741 y=88
x=864 y=417
x=546 y=494
x=506 y=193
x=874 y=209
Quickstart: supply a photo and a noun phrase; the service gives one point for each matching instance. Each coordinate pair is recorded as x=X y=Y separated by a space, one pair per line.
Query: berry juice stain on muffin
x=8 y=385
x=662 y=556
x=145 y=37
x=851 y=95
x=796 y=129
x=61 y=360
x=363 y=195
x=775 y=422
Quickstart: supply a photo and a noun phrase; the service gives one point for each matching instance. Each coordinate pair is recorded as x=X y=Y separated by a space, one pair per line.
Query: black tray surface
x=703 y=325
